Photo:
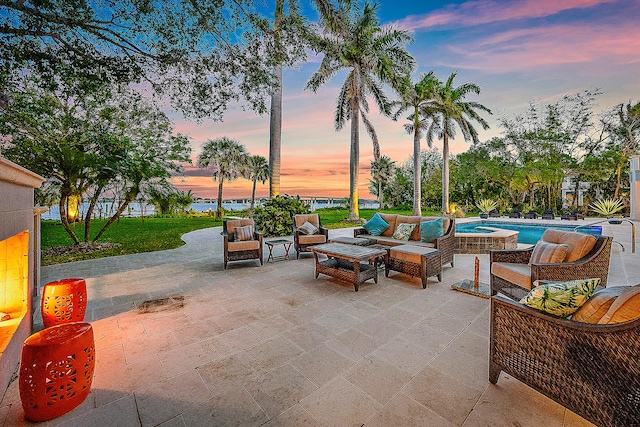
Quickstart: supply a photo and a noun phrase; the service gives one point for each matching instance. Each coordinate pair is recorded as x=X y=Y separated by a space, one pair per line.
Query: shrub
x=273 y=218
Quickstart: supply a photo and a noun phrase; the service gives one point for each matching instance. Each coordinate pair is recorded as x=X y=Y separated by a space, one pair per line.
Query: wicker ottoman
x=415 y=261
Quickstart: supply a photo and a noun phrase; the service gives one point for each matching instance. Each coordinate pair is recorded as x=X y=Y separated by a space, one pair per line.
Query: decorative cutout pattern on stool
x=64 y=301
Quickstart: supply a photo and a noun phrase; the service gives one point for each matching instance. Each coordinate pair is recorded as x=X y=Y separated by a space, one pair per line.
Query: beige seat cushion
x=545 y=252
x=598 y=305
x=579 y=243
x=247 y=245
x=312 y=218
x=520 y=274
x=409 y=253
x=391 y=220
x=626 y=307
x=312 y=239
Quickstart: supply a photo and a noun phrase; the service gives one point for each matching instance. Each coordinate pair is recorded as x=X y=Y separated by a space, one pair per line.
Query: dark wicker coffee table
x=415 y=261
x=350 y=263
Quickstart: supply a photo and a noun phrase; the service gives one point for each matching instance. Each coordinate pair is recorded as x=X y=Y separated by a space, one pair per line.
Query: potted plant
x=608 y=207
x=486 y=206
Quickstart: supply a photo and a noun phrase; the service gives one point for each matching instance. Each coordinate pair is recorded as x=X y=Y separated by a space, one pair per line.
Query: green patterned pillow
x=561 y=299
x=403 y=231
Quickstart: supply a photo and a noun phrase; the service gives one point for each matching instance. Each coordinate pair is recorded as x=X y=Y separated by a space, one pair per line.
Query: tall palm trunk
x=417 y=174
x=275 y=125
x=380 y=195
x=445 y=173
x=220 y=183
x=253 y=195
x=354 y=163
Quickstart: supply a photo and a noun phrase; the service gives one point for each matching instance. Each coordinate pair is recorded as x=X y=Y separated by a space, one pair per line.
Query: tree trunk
x=380 y=195
x=417 y=174
x=275 y=124
x=253 y=195
x=115 y=216
x=445 y=173
x=220 y=183
x=616 y=193
x=63 y=218
x=354 y=164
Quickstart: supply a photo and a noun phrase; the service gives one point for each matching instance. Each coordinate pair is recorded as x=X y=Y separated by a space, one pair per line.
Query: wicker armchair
x=235 y=249
x=592 y=369
x=595 y=263
x=303 y=241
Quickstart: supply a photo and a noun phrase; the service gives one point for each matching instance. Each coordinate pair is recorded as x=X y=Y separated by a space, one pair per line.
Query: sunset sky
x=517 y=51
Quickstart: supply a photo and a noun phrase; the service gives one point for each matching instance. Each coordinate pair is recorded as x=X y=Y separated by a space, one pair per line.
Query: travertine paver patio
x=273 y=346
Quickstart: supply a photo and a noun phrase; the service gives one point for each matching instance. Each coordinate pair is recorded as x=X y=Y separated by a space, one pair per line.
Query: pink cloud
x=483 y=12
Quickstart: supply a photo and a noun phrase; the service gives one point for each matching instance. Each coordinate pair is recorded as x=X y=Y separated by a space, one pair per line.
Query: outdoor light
x=72 y=208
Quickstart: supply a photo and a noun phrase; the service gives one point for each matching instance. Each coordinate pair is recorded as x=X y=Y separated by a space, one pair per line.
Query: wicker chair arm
x=518 y=256
x=359 y=231
x=324 y=231
x=258 y=235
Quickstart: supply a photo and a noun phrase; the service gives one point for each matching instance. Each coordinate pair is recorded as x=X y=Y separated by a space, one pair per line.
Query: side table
x=284 y=242
x=416 y=261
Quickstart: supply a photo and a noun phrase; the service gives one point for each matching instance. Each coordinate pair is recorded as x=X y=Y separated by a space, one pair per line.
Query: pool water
x=528 y=233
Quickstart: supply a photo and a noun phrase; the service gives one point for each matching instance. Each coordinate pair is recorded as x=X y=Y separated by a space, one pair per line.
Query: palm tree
x=226 y=157
x=451 y=110
x=418 y=100
x=372 y=54
x=255 y=169
x=382 y=171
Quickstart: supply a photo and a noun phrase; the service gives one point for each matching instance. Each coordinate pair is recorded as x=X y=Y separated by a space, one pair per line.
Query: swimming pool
x=527 y=233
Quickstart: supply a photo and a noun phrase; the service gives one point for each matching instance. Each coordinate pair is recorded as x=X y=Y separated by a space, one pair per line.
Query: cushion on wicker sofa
x=626 y=307
x=376 y=225
x=431 y=230
x=598 y=305
x=403 y=231
x=579 y=243
x=561 y=298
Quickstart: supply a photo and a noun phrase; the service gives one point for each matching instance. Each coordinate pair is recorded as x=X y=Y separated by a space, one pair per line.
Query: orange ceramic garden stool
x=56 y=370
x=64 y=301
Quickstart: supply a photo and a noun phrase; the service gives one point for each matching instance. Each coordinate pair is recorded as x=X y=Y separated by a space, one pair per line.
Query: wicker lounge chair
x=301 y=240
x=494 y=214
x=236 y=249
x=531 y=215
x=548 y=214
x=592 y=369
x=515 y=214
x=588 y=256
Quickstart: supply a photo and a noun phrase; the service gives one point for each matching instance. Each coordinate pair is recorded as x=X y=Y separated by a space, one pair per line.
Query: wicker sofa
x=592 y=369
x=445 y=243
x=513 y=272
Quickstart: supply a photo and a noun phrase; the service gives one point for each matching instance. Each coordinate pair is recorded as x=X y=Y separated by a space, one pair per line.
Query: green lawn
x=136 y=235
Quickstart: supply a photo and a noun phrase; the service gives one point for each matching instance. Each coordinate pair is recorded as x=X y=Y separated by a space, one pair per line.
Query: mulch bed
x=84 y=247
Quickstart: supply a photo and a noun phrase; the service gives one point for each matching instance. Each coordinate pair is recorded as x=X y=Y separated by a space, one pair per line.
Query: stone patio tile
x=309 y=335
x=172 y=397
x=511 y=402
x=279 y=389
x=354 y=344
x=404 y=355
x=425 y=336
x=270 y=326
x=145 y=347
x=174 y=422
x=197 y=331
x=338 y=322
x=186 y=357
x=380 y=327
x=273 y=352
x=340 y=403
x=233 y=341
x=230 y=406
x=104 y=338
x=231 y=371
x=234 y=320
x=406 y=412
x=379 y=379
x=443 y=394
x=119 y=413
x=322 y=364
x=166 y=323
x=295 y=416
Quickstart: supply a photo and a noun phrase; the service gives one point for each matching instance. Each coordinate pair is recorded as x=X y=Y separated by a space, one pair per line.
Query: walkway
x=273 y=346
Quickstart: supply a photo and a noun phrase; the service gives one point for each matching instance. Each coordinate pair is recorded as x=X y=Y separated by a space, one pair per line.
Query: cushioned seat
x=241 y=240
x=417 y=261
x=302 y=239
x=559 y=255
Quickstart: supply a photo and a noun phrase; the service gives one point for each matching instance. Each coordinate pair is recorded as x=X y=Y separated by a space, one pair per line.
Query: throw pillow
x=244 y=233
x=598 y=305
x=430 y=230
x=403 y=231
x=308 y=228
x=625 y=308
x=545 y=252
x=560 y=299
x=376 y=225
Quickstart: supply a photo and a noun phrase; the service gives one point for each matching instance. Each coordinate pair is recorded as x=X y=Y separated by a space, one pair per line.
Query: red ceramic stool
x=64 y=301
x=56 y=370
